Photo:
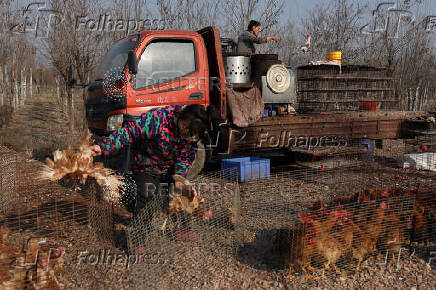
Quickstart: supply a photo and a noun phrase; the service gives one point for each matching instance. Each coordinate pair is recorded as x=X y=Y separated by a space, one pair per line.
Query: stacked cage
x=358 y=88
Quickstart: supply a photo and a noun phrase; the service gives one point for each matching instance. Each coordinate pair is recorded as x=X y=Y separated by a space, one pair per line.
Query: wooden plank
x=315 y=78
x=346 y=90
x=278 y=133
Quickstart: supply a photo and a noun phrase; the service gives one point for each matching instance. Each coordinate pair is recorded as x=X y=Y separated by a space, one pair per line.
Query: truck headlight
x=114 y=122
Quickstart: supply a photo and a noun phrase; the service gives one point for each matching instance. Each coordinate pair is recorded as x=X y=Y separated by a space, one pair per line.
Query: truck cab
x=173 y=68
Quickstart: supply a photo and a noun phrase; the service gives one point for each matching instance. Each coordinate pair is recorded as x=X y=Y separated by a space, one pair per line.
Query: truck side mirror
x=70 y=80
x=132 y=62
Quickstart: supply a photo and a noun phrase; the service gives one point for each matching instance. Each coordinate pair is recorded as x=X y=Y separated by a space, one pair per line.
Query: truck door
x=171 y=71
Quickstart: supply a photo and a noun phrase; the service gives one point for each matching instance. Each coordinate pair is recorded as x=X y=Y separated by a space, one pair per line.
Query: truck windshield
x=115 y=60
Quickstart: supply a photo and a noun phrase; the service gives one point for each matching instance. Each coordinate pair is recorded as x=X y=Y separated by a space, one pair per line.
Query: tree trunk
x=13 y=84
x=23 y=85
x=70 y=108
x=2 y=87
x=7 y=87
x=30 y=84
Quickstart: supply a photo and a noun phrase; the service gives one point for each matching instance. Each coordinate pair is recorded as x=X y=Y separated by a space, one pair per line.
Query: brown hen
x=78 y=165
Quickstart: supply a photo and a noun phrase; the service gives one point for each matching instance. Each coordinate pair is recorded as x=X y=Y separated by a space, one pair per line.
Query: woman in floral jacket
x=163 y=143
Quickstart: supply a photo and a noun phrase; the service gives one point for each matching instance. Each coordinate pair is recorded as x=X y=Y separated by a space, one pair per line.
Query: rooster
x=187 y=200
x=306 y=46
x=78 y=165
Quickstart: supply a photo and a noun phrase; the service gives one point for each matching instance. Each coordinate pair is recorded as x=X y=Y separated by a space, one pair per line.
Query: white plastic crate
x=419 y=161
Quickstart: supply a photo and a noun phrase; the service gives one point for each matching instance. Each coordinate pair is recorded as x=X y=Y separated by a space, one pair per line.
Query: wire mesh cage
x=46 y=221
x=418 y=153
x=41 y=208
x=59 y=216
x=186 y=249
x=8 y=163
x=358 y=206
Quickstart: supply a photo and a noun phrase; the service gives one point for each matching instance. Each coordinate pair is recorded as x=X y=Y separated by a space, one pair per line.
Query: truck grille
x=98 y=109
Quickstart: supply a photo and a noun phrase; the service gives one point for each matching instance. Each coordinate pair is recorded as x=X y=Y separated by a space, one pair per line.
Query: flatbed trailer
x=316 y=129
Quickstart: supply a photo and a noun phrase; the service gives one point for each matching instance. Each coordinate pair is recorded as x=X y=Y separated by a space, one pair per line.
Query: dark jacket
x=246 y=42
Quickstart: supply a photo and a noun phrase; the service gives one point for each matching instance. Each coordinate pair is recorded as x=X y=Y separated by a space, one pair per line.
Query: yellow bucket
x=335 y=55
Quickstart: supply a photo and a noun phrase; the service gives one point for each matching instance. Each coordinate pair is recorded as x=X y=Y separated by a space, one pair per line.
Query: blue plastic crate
x=249 y=168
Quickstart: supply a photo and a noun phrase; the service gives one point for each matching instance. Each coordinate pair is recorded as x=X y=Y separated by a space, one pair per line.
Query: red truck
x=159 y=68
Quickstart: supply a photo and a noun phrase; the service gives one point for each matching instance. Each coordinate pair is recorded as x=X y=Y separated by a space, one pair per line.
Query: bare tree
x=69 y=44
x=404 y=47
x=237 y=14
x=337 y=27
x=188 y=14
x=288 y=47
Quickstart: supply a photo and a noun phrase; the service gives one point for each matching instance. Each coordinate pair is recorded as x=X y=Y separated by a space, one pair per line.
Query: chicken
x=49 y=264
x=4 y=234
x=52 y=257
x=186 y=200
x=367 y=235
x=419 y=226
x=32 y=249
x=394 y=233
x=231 y=215
x=417 y=223
x=13 y=271
x=46 y=279
x=306 y=46
x=296 y=246
x=15 y=278
x=319 y=209
x=8 y=251
x=78 y=165
x=332 y=246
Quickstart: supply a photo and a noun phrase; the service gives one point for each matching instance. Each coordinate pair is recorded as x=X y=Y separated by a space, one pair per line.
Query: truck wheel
x=198 y=164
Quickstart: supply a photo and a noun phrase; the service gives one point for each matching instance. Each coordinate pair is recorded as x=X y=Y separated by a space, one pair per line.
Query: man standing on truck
x=163 y=143
x=249 y=37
